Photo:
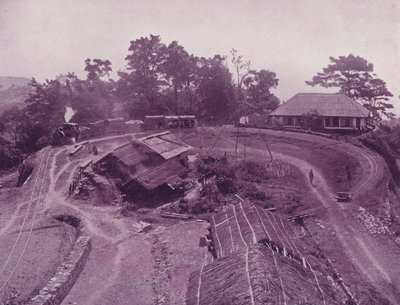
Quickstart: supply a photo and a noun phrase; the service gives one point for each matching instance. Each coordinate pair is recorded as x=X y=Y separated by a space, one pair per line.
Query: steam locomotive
x=70 y=133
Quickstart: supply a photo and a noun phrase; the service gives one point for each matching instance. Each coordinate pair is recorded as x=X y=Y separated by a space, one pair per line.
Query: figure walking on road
x=311 y=176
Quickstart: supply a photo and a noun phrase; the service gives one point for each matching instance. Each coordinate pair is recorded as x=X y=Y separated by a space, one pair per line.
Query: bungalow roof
x=325 y=104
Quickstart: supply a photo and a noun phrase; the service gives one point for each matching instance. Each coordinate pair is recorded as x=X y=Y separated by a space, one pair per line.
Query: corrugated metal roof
x=168 y=173
x=326 y=104
x=131 y=153
x=165 y=144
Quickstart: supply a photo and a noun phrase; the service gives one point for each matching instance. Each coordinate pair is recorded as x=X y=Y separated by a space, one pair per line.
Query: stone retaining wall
x=54 y=292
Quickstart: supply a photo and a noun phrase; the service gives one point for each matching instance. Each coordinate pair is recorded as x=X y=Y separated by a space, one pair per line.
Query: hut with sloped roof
x=257 y=275
x=338 y=111
x=259 y=260
x=148 y=167
x=243 y=223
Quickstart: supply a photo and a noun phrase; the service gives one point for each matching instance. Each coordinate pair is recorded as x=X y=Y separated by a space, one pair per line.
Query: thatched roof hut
x=243 y=224
x=258 y=275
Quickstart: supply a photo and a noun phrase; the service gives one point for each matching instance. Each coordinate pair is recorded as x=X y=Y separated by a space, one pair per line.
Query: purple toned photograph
x=199 y=152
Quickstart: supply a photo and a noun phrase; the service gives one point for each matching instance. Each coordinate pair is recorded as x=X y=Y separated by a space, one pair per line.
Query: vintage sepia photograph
x=199 y=152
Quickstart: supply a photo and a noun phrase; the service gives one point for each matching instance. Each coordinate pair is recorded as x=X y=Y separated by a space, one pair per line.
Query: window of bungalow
x=328 y=122
x=290 y=120
x=335 y=122
x=346 y=122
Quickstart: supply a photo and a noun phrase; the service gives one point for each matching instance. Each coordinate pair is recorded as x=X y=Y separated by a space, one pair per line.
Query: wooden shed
x=148 y=166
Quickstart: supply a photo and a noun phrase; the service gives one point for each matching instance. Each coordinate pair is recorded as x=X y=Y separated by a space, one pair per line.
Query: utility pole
x=237 y=138
x=244 y=143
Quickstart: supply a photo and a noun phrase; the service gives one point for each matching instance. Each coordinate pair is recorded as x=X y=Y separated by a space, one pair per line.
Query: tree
x=92 y=99
x=13 y=121
x=216 y=91
x=354 y=76
x=9 y=155
x=176 y=69
x=46 y=105
x=145 y=66
x=258 y=86
x=242 y=69
x=97 y=68
x=140 y=87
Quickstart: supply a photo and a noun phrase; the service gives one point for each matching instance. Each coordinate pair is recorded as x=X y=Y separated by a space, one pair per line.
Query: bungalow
x=338 y=111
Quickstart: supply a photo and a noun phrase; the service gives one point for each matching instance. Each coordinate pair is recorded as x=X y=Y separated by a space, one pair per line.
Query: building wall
x=341 y=123
x=344 y=123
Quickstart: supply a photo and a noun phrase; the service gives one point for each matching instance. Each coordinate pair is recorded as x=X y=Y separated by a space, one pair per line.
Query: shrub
x=311 y=120
x=10 y=156
x=250 y=191
x=226 y=185
x=382 y=142
x=252 y=171
x=275 y=123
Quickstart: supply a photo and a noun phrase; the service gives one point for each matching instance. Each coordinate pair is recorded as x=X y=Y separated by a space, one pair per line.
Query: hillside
x=295 y=245
x=13 y=91
x=8 y=81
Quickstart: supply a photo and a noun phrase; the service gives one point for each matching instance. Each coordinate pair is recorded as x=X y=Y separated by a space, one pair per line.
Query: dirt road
x=131 y=267
x=362 y=259
x=125 y=266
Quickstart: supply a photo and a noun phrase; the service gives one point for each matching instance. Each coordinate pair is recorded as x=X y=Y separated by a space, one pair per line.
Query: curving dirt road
x=125 y=266
x=368 y=259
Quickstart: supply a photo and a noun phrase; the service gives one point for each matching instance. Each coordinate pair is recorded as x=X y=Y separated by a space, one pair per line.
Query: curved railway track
x=371 y=177
x=10 y=265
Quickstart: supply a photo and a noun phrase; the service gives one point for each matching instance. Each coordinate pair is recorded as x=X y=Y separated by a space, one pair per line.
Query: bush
x=206 y=164
x=226 y=185
x=250 y=191
x=10 y=156
x=382 y=143
x=275 y=123
x=311 y=120
x=251 y=171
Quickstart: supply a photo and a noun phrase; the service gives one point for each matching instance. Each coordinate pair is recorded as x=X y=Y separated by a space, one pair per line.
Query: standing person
x=311 y=176
x=348 y=172
x=94 y=150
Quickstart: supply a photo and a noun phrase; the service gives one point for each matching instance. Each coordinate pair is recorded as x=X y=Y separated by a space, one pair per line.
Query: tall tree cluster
x=159 y=78
x=165 y=79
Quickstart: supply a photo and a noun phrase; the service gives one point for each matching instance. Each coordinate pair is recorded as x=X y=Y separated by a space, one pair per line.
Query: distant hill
x=8 y=81
x=391 y=123
x=13 y=91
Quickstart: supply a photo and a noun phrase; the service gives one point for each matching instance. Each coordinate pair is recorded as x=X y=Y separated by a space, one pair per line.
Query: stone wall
x=54 y=292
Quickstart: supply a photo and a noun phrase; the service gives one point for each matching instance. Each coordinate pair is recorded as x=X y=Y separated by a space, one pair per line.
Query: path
x=372 y=256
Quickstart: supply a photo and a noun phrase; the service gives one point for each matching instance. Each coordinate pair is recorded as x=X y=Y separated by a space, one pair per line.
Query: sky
x=293 y=38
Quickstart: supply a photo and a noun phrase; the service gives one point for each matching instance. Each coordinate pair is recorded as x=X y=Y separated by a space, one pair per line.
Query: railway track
x=371 y=177
x=9 y=267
